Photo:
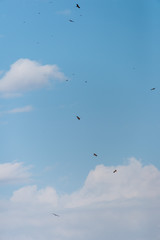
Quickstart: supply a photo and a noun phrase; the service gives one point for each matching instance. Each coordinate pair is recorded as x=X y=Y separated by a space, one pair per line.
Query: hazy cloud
x=64 y=12
x=14 y=173
x=21 y=110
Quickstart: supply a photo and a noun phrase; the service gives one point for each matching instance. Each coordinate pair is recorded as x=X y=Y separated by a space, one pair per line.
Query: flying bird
x=95 y=154
x=115 y=171
x=70 y=20
x=152 y=88
x=78 y=117
x=56 y=215
x=77 y=6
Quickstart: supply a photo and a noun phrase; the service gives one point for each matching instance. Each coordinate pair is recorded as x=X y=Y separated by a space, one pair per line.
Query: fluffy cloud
x=119 y=206
x=31 y=194
x=130 y=182
x=21 y=110
x=14 y=173
x=26 y=75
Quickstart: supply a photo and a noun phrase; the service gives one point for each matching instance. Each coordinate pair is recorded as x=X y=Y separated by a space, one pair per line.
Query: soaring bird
x=70 y=20
x=95 y=154
x=152 y=88
x=77 y=6
x=115 y=171
x=56 y=215
x=78 y=117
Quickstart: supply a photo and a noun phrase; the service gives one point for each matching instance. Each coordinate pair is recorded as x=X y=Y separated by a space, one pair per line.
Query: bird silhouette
x=78 y=117
x=77 y=6
x=152 y=88
x=56 y=215
x=115 y=171
x=70 y=20
x=95 y=154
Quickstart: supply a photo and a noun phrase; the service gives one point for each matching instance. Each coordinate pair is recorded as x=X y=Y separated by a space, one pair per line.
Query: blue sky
x=110 y=57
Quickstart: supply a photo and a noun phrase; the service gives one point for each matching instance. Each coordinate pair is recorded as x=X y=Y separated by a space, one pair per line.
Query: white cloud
x=32 y=195
x=21 y=110
x=109 y=206
x=14 y=173
x=130 y=182
x=25 y=75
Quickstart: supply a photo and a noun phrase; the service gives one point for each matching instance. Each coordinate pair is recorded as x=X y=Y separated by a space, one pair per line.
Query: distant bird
x=78 y=117
x=70 y=20
x=95 y=154
x=152 y=88
x=56 y=215
x=77 y=6
x=85 y=81
x=66 y=80
x=115 y=171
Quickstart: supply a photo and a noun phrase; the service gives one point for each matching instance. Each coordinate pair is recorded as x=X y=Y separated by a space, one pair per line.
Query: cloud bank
x=26 y=75
x=109 y=206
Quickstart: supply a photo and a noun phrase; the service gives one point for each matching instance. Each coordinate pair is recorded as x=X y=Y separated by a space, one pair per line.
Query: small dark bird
x=56 y=215
x=70 y=20
x=78 y=117
x=95 y=154
x=115 y=171
x=66 y=80
x=77 y=6
x=152 y=88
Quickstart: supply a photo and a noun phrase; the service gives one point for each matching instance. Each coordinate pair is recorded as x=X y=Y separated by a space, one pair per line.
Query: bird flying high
x=77 y=6
x=115 y=171
x=56 y=215
x=153 y=88
x=78 y=117
x=95 y=154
